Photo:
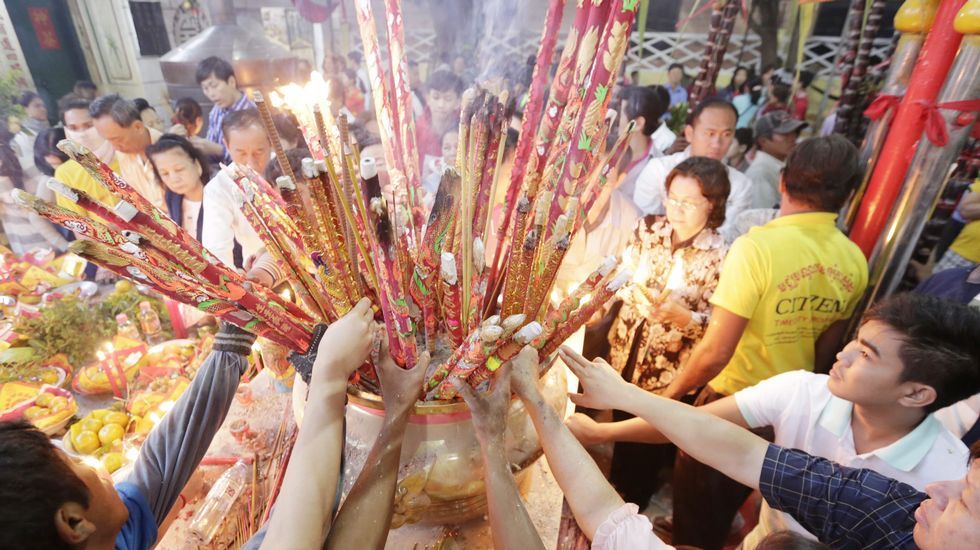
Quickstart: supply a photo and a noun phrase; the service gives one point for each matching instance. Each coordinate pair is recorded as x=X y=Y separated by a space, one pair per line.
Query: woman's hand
x=604 y=387
x=662 y=309
x=586 y=430
x=345 y=345
x=489 y=409
x=525 y=373
x=400 y=388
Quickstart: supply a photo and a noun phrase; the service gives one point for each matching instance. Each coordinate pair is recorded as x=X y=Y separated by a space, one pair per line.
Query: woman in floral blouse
x=678 y=258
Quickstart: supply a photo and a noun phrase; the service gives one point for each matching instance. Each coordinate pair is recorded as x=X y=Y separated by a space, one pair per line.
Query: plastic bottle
x=126 y=328
x=207 y=521
x=150 y=323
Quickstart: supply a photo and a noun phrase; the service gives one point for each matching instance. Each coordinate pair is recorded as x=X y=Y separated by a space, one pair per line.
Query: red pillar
x=886 y=182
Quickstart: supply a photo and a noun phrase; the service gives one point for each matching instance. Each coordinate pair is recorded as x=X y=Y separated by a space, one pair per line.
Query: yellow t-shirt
x=791 y=278
x=967 y=243
x=73 y=175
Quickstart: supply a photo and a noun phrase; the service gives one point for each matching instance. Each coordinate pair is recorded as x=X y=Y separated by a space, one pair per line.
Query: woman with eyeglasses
x=677 y=260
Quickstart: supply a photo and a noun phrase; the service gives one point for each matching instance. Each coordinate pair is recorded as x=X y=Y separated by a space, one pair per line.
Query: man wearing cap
x=775 y=137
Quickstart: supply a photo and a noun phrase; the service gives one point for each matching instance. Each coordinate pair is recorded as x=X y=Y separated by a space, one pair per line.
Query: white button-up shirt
x=650 y=191
x=224 y=222
x=806 y=416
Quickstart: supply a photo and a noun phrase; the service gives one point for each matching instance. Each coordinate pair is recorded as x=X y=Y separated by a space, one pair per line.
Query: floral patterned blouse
x=649 y=355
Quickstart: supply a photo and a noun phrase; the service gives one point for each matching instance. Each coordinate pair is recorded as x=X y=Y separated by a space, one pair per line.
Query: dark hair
x=45 y=145
x=744 y=136
x=713 y=177
x=142 y=104
x=84 y=85
x=789 y=540
x=806 y=78
x=975 y=451
x=122 y=111
x=643 y=101
x=444 y=81
x=288 y=127
x=216 y=66
x=9 y=164
x=168 y=142
x=187 y=110
x=295 y=159
x=940 y=343
x=26 y=98
x=34 y=482
x=663 y=93
x=711 y=103
x=675 y=66
x=72 y=103
x=780 y=92
x=237 y=120
x=741 y=88
x=821 y=172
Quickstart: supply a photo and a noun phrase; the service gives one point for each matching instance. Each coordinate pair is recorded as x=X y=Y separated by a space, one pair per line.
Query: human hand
x=345 y=345
x=662 y=309
x=525 y=373
x=586 y=430
x=604 y=387
x=400 y=388
x=489 y=409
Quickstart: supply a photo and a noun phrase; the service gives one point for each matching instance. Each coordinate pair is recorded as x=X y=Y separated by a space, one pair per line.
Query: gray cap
x=777 y=122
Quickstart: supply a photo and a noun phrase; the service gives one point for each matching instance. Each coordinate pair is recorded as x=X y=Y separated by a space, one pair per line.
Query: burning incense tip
x=447 y=268
x=309 y=168
x=528 y=332
x=285 y=182
x=62 y=189
x=369 y=168
x=607 y=265
x=257 y=97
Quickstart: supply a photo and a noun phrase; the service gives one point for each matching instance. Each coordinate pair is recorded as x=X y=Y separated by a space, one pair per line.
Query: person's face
x=712 y=133
x=131 y=140
x=740 y=77
x=249 y=147
x=868 y=370
x=36 y=109
x=779 y=145
x=151 y=119
x=687 y=208
x=78 y=120
x=106 y=510
x=178 y=171
x=674 y=76
x=444 y=105
x=767 y=77
x=449 y=143
x=222 y=93
x=54 y=161
x=950 y=518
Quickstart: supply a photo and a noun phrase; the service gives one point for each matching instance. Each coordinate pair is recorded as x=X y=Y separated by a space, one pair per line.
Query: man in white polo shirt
x=873 y=411
x=710 y=134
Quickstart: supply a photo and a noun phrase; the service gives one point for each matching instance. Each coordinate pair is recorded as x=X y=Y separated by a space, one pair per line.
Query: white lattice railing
x=657 y=51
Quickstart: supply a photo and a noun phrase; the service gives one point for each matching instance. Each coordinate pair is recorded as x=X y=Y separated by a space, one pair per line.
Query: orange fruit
x=118 y=418
x=91 y=424
x=87 y=442
x=112 y=461
x=59 y=403
x=110 y=433
x=44 y=399
x=34 y=412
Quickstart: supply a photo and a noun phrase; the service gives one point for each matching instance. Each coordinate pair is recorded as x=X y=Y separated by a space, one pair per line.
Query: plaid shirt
x=215 y=117
x=844 y=507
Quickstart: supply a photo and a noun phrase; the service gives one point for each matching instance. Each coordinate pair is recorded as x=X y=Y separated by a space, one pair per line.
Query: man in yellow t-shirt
x=965 y=250
x=786 y=292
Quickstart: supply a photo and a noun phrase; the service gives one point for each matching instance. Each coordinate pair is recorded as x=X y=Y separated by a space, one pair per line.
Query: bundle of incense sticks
x=340 y=229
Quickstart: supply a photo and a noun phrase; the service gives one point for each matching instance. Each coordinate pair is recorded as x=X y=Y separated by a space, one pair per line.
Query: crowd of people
x=726 y=364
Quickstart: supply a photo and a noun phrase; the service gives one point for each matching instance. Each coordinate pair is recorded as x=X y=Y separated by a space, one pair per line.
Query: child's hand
x=346 y=344
x=489 y=409
x=400 y=387
x=585 y=429
x=604 y=387
x=525 y=376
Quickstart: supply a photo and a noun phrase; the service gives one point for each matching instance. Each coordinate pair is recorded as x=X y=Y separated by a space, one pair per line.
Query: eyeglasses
x=684 y=205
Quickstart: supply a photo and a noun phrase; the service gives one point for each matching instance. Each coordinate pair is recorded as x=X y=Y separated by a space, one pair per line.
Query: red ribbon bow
x=881 y=106
x=935 y=124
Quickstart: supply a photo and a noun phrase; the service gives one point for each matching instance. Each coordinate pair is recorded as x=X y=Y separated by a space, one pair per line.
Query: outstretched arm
x=510 y=524
x=373 y=494
x=711 y=354
x=306 y=500
x=726 y=447
x=590 y=496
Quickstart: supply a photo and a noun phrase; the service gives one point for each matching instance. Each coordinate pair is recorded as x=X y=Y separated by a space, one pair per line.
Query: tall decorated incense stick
x=273 y=134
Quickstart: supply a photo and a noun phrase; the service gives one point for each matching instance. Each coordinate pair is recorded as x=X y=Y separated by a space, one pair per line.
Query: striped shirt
x=218 y=114
x=843 y=507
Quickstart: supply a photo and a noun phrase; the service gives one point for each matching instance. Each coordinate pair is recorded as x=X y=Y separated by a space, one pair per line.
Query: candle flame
x=100 y=355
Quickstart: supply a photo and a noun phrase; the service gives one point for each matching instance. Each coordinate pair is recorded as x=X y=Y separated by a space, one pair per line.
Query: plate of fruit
x=100 y=434
x=49 y=407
